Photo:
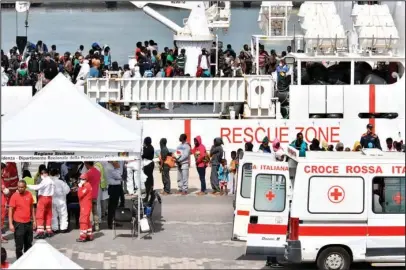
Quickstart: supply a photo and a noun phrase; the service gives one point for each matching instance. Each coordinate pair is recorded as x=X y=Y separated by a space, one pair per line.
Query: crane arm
x=176 y=4
x=159 y=17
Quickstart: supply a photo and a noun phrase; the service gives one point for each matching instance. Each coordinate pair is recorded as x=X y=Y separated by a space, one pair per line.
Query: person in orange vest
x=85 y=204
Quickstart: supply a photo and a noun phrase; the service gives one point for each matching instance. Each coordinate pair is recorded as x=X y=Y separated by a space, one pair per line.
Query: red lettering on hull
x=239 y=135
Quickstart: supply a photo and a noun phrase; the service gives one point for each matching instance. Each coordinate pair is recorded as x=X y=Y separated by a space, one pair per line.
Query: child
x=233 y=170
x=223 y=177
x=4 y=262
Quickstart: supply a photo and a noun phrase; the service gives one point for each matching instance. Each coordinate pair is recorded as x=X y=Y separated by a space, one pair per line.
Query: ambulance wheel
x=334 y=258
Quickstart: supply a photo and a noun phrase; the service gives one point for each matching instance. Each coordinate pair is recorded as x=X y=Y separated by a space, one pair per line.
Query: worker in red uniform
x=4 y=192
x=85 y=204
x=44 y=206
x=9 y=175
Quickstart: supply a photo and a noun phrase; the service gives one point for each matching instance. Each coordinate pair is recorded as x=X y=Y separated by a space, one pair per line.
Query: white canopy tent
x=61 y=122
x=34 y=258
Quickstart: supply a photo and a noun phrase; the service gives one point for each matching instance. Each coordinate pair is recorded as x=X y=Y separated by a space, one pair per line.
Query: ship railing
x=254 y=91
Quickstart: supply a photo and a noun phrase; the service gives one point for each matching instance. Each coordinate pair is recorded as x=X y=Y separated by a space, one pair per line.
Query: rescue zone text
x=354 y=169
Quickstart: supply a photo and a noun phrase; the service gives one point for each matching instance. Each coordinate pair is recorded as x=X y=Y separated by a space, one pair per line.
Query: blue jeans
x=202 y=176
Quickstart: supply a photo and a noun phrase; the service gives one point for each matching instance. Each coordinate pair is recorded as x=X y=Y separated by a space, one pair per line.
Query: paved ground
x=192 y=232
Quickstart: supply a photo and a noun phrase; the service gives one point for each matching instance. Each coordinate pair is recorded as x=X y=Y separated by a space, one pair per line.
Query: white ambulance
x=242 y=200
x=343 y=207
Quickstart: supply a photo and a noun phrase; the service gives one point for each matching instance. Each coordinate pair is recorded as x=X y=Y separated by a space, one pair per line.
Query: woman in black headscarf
x=148 y=153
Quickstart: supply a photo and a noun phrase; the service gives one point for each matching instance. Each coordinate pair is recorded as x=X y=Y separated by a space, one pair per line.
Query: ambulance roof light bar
x=372 y=152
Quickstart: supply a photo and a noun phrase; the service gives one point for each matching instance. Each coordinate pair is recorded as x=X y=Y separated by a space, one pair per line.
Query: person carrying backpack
x=166 y=163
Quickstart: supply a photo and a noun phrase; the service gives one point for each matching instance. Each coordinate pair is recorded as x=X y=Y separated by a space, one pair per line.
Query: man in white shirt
x=114 y=178
x=45 y=191
x=203 y=60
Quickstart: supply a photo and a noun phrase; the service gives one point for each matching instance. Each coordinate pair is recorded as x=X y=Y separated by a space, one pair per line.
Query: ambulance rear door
x=269 y=214
x=242 y=201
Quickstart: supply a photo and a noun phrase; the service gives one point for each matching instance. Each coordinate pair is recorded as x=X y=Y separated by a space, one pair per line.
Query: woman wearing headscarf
x=324 y=146
x=148 y=153
x=357 y=147
x=264 y=147
x=278 y=150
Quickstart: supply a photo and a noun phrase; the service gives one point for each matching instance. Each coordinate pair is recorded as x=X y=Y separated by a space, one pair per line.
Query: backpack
x=170 y=161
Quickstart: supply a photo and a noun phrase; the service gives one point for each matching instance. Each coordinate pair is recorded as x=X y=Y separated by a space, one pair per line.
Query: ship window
x=390 y=115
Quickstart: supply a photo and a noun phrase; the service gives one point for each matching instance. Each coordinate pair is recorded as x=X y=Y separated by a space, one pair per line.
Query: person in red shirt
x=21 y=212
x=4 y=262
x=85 y=204
x=9 y=175
x=94 y=177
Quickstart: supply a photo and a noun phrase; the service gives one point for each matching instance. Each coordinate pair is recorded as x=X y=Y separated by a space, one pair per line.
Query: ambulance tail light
x=293 y=229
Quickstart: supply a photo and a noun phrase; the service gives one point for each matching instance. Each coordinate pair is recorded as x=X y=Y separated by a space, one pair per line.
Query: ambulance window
x=336 y=195
x=388 y=195
x=270 y=193
x=246 y=180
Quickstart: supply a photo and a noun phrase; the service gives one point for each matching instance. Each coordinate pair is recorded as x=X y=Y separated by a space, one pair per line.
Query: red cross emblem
x=270 y=195
x=336 y=194
x=397 y=198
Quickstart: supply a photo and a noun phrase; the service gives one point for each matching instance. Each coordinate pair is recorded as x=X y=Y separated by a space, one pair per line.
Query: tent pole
x=139 y=200
x=139 y=164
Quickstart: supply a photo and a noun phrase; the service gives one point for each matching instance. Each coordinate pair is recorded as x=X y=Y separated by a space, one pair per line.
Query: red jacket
x=3 y=196
x=199 y=152
x=85 y=197
x=9 y=177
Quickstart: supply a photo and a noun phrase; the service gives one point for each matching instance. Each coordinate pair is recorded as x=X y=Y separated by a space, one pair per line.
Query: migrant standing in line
x=216 y=153
x=165 y=168
x=199 y=151
x=183 y=162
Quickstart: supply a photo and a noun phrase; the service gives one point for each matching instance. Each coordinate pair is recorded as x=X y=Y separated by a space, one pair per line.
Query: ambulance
x=242 y=201
x=331 y=208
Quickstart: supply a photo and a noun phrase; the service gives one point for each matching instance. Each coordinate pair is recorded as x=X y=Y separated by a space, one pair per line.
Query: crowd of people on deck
x=39 y=64
x=86 y=193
